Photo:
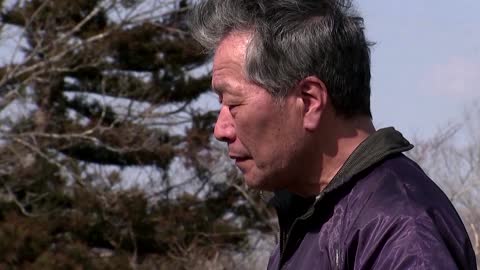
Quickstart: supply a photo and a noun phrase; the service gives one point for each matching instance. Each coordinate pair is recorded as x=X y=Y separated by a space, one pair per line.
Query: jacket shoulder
x=399 y=186
x=398 y=213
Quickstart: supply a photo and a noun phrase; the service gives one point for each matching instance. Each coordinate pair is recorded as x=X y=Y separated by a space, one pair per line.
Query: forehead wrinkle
x=224 y=87
x=223 y=82
x=220 y=88
x=228 y=64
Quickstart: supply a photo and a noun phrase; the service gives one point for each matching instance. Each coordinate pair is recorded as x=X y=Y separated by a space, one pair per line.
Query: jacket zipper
x=284 y=238
x=284 y=245
x=337 y=259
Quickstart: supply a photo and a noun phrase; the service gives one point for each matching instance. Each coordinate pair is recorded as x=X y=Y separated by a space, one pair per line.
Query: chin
x=260 y=183
x=253 y=184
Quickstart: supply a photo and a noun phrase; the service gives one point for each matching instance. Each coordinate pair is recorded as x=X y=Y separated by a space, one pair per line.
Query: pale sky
x=426 y=61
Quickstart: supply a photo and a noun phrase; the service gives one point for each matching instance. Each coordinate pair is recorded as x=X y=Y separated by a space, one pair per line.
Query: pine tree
x=98 y=92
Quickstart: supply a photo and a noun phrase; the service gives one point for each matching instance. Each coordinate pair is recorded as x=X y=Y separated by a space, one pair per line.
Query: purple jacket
x=379 y=212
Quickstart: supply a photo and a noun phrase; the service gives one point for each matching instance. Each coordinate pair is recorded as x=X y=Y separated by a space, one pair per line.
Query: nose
x=224 y=127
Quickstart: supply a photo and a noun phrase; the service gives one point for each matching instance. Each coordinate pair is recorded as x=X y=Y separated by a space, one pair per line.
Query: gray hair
x=294 y=39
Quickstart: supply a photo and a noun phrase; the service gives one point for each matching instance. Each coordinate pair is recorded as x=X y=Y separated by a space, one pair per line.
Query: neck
x=337 y=142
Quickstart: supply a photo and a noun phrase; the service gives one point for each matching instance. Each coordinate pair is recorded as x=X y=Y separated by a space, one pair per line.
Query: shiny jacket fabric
x=379 y=212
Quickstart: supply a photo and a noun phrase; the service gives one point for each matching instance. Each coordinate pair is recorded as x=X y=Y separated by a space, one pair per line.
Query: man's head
x=293 y=39
x=279 y=68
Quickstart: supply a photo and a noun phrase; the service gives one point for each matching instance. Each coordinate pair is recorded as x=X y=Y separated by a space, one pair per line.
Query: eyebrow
x=220 y=88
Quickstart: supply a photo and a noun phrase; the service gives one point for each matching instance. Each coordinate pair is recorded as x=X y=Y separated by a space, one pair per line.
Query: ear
x=315 y=97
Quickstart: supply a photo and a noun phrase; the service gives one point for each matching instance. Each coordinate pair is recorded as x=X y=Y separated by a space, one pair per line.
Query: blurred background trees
x=106 y=160
x=451 y=157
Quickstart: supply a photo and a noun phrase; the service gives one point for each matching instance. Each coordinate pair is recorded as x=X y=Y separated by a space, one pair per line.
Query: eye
x=232 y=108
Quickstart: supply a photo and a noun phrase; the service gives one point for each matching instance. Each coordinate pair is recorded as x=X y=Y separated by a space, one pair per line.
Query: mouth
x=241 y=162
x=239 y=158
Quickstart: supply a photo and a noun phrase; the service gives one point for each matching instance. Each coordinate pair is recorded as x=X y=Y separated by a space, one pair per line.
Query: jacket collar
x=377 y=147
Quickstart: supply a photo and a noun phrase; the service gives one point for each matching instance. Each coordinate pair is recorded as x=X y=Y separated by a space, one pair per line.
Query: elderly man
x=293 y=80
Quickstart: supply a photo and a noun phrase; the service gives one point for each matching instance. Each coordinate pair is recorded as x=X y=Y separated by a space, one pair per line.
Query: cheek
x=254 y=129
x=264 y=136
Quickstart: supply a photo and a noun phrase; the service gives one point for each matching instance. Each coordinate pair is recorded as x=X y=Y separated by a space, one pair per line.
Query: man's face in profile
x=264 y=135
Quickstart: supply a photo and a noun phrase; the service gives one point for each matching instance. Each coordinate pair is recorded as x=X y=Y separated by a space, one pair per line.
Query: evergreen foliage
x=99 y=88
